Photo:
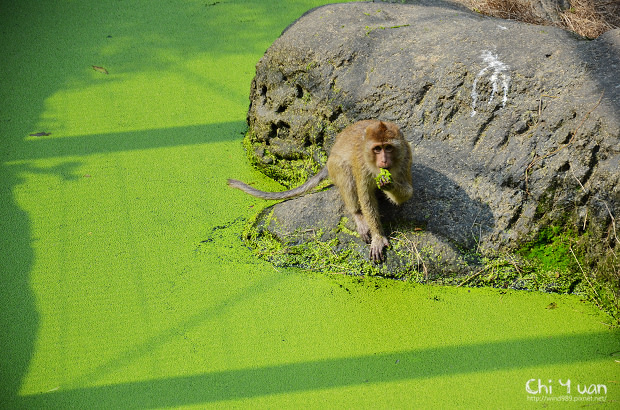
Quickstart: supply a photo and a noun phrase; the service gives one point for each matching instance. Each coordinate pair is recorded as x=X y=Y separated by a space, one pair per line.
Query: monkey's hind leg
x=370 y=211
x=362 y=227
x=344 y=180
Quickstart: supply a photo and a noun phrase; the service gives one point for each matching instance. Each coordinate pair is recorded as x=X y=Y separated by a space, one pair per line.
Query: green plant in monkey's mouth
x=383 y=178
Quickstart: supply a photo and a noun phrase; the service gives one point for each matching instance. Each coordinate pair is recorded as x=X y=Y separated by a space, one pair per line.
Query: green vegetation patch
x=314 y=253
x=552 y=263
x=289 y=172
x=560 y=260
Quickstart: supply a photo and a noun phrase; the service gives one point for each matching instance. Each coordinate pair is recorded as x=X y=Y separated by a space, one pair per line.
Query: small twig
x=303 y=232
x=469 y=278
x=613 y=221
x=413 y=248
x=585 y=219
x=598 y=298
x=540 y=107
x=420 y=260
x=471 y=230
x=584 y=273
x=578 y=181
x=572 y=138
x=515 y=265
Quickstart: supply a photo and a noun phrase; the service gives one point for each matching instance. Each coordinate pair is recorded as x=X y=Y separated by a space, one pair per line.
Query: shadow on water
x=33 y=149
x=48 y=45
x=335 y=373
x=19 y=318
x=76 y=32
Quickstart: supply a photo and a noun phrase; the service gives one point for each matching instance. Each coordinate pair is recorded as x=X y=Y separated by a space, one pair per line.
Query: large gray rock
x=513 y=127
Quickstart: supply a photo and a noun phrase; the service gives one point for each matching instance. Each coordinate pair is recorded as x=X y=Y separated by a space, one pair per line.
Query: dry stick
x=572 y=138
x=578 y=181
x=469 y=278
x=473 y=276
x=585 y=220
x=584 y=275
x=515 y=265
x=613 y=222
x=412 y=247
x=420 y=260
x=540 y=100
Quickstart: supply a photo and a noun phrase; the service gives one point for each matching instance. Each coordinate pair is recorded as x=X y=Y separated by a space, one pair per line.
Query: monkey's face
x=384 y=155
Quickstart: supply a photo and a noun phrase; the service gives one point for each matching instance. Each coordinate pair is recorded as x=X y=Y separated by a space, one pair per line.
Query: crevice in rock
x=272 y=133
x=568 y=138
x=564 y=167
x=591 y=165
x=335 y=114
x=282 y=128
x=515 y=217
x=419 y=96
x=504 y=139
x=451 y=113
x=482 y=129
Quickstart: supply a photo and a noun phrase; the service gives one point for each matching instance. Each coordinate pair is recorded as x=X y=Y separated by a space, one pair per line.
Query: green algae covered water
x=125 y=284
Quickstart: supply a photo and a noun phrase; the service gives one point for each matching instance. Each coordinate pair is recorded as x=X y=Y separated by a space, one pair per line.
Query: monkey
x=359 y=154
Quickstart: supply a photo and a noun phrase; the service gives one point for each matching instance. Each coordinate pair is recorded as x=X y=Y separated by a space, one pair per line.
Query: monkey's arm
x=370 y=211
x=400 y=189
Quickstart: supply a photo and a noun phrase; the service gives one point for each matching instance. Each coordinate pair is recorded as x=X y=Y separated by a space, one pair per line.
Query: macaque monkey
x=360 y=153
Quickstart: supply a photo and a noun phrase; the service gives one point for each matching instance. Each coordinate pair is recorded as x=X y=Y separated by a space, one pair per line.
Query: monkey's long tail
x=302 y=189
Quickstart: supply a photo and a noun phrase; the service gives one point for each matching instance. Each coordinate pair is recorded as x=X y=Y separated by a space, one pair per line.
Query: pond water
x=126 y=284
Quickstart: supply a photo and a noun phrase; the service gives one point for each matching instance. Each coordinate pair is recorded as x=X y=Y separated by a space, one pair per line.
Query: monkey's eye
x=388 y=148
x=377 y=149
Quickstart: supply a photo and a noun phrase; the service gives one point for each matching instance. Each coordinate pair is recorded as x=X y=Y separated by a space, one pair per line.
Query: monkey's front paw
x=376 y=248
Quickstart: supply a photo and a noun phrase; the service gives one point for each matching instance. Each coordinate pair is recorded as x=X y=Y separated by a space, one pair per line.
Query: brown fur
x=359 y=153
x=353 y=167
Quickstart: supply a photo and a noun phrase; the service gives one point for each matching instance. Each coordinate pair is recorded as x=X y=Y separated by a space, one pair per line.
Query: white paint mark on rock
x=499 y=75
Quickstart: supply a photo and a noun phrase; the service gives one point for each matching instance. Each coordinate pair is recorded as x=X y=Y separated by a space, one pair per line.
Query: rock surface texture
x=513 y=127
